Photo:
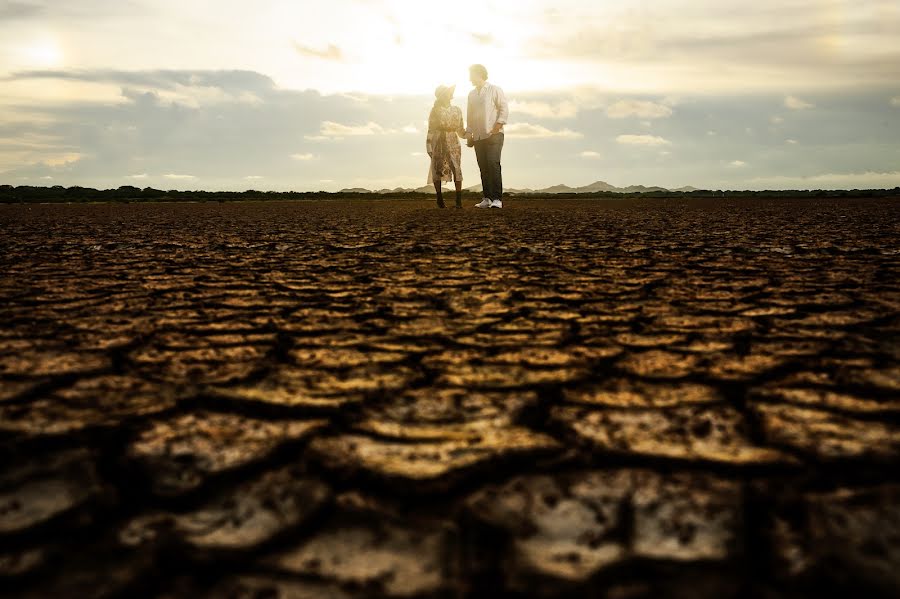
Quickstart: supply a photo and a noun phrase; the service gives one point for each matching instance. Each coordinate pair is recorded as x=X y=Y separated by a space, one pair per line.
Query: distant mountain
x=595 y=187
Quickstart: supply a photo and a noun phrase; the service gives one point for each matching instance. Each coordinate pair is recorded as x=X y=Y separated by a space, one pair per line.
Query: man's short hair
x=479 y=68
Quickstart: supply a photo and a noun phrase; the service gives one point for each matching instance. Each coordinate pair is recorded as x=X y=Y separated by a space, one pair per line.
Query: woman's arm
x=429 y=138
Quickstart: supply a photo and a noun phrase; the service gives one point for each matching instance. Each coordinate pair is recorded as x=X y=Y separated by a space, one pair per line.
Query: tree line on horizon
x=127 y=193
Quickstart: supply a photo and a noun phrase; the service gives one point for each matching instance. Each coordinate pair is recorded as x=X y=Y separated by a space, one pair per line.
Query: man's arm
x=469 y=117
x=502 y=109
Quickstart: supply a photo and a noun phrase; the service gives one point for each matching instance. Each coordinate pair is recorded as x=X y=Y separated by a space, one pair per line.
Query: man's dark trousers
x=487 y=152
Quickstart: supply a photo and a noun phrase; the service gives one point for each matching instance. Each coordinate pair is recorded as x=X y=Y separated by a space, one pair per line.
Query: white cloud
x=330 y=52
x=643 y=140
x=176 y=177
x=791 y=142
x=865 y=180
x=410 y=129
x=252 y=178
x=417 y=154
x=777 y=120
x=795 y=103
x=591 y=154
x=332 y=129
x=316 y=138
x=737 y=163
x=711 y=133
x=545 y=110
x=895 y=101
x=303 y=157
x=141 y=176
x=539 y=131
x=47 y=178
x=639 y=108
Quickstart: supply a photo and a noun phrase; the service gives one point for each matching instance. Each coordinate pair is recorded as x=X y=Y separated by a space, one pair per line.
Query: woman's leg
x=440 y=193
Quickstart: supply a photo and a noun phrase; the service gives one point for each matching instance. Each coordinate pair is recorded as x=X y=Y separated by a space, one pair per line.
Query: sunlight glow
x=45 y=53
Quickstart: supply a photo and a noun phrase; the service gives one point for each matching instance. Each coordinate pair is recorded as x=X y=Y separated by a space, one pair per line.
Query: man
x=486 y=116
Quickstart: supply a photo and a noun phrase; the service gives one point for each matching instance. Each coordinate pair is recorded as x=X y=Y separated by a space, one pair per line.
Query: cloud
x=895 y=101
x=138 y=177
x=484 y=39
x=303 y=157
x=737 y=163
x=154 y=136
x=591 y=154
x=19 y=10
x=330 y=52
x=331 y=129
x=410 y=129
x=860 y=180
x=676 y=46
x=253 y=178
x=639 y=108
x=545 y=110
x=643 y=140
x=176 y=177
x=795 y=103
x=528 y=130
x=63 y=159
x=791 y=142
x=776 y=120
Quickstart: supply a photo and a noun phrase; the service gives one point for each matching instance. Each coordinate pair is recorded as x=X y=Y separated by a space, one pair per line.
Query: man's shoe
x=496 y=203
x=485 y=203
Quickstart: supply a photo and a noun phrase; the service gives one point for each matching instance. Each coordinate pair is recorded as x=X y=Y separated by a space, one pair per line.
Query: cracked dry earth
x=667 y=398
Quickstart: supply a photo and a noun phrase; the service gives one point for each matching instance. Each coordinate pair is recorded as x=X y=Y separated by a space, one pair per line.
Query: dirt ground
x=624 y=399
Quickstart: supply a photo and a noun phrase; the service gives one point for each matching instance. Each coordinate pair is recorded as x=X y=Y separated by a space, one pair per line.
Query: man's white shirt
x=486 y=108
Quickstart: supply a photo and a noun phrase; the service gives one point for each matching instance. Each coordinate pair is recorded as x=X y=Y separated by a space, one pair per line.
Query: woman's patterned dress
x=444 y=125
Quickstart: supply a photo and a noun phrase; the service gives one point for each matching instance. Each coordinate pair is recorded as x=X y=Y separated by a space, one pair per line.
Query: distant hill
x=595 y=187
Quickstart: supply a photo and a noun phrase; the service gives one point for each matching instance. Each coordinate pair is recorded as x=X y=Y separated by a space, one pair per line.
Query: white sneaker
x=496 y=203
x=485 y=203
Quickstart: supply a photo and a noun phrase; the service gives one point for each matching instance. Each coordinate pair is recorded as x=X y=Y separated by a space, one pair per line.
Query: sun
x=43 y=53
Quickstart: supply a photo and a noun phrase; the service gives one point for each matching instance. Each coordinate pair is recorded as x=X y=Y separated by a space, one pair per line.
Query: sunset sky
x=278 y=94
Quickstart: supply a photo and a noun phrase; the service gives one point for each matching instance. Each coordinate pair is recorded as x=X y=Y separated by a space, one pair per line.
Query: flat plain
x=637 y=398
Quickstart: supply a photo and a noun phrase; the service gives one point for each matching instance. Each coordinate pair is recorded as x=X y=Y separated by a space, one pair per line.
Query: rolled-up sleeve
x=502 y=106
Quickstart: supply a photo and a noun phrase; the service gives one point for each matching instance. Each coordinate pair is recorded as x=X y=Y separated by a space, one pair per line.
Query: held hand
x=496 y=129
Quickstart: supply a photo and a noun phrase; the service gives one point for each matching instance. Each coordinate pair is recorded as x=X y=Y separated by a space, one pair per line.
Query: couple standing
x=487 y=114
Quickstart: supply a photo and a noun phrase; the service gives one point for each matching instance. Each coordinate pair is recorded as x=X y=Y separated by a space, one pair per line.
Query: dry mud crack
x=667 y=398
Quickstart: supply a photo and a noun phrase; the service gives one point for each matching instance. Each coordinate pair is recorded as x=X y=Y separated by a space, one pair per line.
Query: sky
x=302 y=95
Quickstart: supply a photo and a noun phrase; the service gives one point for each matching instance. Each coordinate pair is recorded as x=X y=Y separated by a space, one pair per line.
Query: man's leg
x=481 y=151
x=493 y=160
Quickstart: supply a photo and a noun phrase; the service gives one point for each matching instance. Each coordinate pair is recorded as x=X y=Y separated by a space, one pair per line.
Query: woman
x=445 y=127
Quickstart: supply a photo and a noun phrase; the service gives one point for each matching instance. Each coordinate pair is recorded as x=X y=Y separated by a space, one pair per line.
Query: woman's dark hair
x=479 y=68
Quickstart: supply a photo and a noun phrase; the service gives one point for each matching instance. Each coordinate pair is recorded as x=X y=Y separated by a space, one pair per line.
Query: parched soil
x=627 y=399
